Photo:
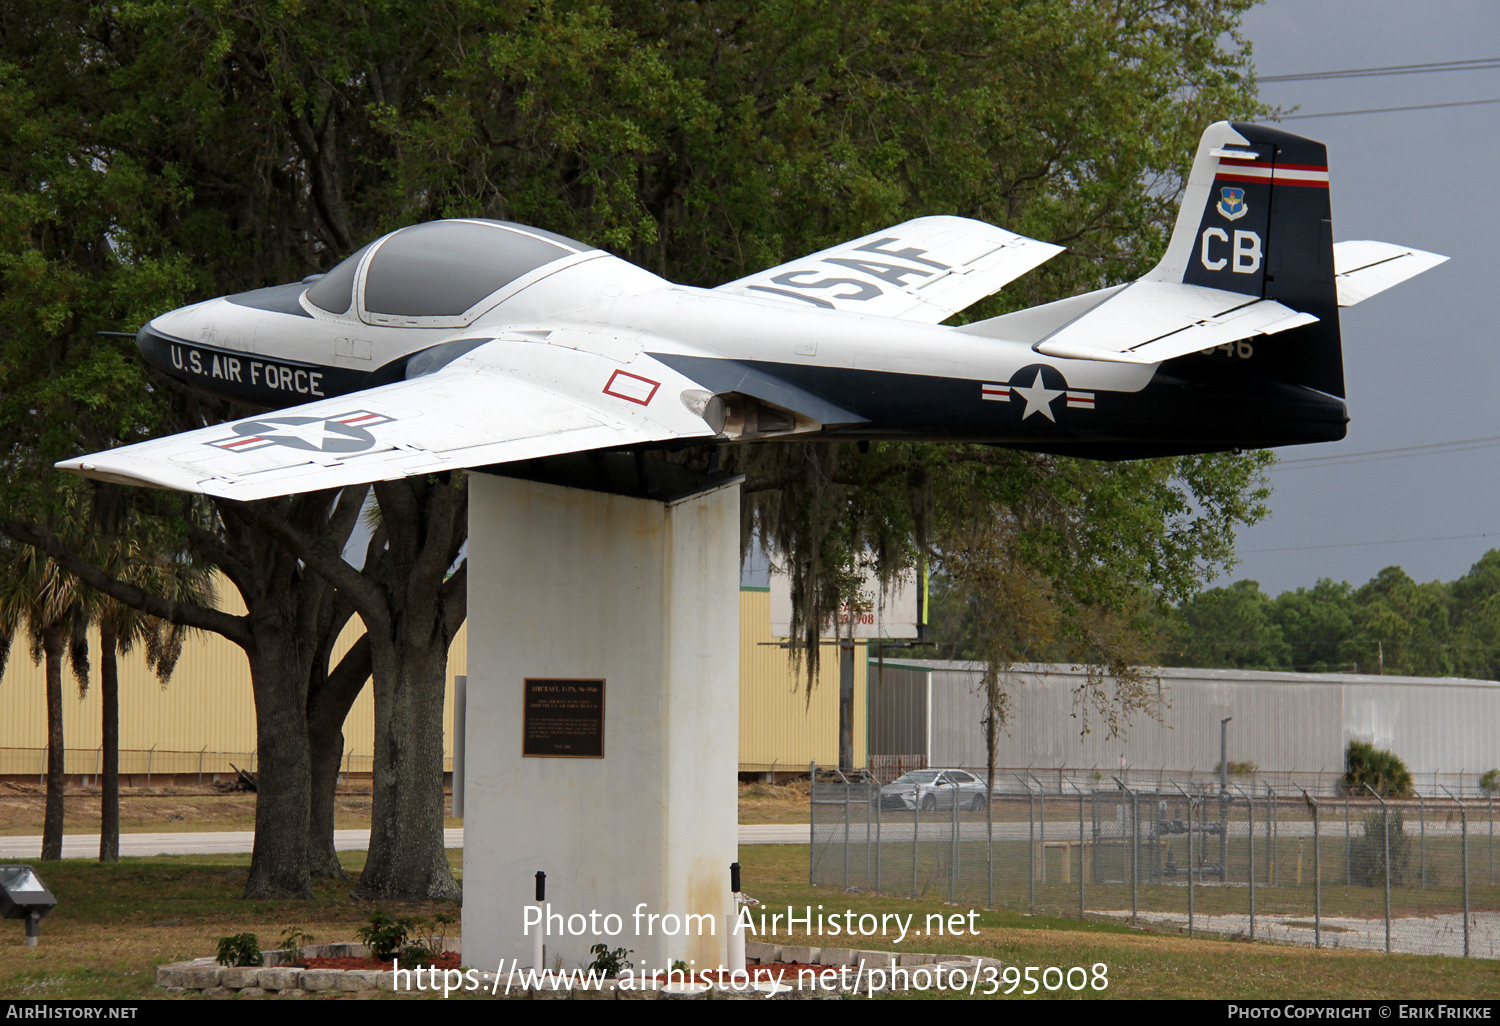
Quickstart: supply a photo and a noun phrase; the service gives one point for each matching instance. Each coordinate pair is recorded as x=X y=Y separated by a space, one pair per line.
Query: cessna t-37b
x=468 y=343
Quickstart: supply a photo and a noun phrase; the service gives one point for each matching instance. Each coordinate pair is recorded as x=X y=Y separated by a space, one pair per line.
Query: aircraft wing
x=923 y=270
x=1148 y=322
x=499 y=400
x=1363 y=268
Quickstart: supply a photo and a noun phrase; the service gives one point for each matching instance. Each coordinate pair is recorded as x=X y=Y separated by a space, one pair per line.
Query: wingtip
x=101 y=467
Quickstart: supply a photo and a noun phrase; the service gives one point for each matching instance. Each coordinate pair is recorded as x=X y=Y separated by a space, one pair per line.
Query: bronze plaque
x=563 y=719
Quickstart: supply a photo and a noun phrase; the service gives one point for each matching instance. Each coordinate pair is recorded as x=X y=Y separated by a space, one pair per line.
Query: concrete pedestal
x=568 y=583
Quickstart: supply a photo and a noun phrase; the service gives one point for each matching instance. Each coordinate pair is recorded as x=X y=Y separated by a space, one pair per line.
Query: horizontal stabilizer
x=1364 y=268
x=1153 y=321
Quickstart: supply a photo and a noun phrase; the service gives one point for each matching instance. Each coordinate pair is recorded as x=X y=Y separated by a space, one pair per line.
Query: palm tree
x=157 y=569
x=37 y=592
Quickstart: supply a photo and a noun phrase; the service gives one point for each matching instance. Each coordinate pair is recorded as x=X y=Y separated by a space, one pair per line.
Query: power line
x=1400 y=448
x=1350 y=460
x=1387 y=110
x=1477 y=64
x=1391 y=541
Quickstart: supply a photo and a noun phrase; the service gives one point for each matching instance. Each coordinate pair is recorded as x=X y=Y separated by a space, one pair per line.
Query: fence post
x=812 y=823
x=200 y=765
x=916 y=828
x=989 y=834
x=1386 y=819
x=954 y=848
x=1190 y=854
x=866 y=779
x=1082 y=885
x=1492 y=840
x=1041 y=829
x=1317 y=877
x=150 y=757
x=879 y=817
x=1348 y=857
x=1030 y=840
x=1463 y=812
x=1422 y=818
x=1250 y=833
x=1135 y=840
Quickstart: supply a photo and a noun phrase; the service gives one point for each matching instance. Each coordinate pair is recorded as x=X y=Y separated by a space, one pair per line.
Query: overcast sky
x=1420 y=360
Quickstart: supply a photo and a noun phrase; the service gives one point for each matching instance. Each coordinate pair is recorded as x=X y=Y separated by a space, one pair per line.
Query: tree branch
x=186 y=614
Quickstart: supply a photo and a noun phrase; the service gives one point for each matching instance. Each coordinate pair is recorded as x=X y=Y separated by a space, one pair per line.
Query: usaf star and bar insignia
x=1038 y=395
x=339 y=435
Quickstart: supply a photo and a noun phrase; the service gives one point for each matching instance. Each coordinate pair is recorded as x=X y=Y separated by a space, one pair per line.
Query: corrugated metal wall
x=208 y=705
x=898 y=712
x=780 y=729
x=1281 y=721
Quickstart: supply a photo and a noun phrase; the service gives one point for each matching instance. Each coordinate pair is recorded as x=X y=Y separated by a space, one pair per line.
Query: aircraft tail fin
x=1255 y=220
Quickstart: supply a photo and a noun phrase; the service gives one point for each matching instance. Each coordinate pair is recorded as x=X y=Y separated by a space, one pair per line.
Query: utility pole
x=846 y=704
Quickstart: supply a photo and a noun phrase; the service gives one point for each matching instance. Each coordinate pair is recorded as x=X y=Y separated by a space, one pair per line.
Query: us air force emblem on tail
x=1232 y=203
x=345 y=433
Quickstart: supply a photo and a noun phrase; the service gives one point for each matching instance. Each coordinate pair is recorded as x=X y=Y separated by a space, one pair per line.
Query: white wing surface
x=1363 y=268
x=1152 y=321
x=923 y=270
x=508 y=399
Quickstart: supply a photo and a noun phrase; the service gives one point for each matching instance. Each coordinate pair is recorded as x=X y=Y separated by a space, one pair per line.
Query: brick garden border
x=205 y=977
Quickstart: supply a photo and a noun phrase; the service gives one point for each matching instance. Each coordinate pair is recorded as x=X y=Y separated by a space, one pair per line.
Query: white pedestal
x=566 y=583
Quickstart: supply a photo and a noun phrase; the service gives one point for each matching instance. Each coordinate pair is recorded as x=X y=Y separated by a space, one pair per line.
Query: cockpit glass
x=443 y=268
x=334 y=291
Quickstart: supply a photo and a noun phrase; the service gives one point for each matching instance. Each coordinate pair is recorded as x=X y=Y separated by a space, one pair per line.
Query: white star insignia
x=1038 y=398
x=317 y=433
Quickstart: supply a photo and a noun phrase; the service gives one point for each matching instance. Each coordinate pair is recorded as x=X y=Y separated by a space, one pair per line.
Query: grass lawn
x=115 y=924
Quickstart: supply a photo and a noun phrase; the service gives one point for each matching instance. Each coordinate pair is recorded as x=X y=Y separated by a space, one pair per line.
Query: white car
x=933 y=789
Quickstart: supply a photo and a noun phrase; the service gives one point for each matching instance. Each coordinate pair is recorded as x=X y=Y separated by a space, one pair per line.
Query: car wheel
x=978 y=804
x=929 y=804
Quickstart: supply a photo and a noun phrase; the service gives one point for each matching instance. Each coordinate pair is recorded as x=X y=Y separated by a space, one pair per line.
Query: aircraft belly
x=1035 y=407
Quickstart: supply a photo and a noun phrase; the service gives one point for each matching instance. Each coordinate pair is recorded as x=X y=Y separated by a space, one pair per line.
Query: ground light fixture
x=24 y=896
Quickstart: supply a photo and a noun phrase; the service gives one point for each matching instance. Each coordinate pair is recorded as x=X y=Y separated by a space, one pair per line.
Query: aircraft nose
x=153 y=346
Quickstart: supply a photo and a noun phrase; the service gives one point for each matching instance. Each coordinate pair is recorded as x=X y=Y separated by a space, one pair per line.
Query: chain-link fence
x=156 y=765
x=1415 y=875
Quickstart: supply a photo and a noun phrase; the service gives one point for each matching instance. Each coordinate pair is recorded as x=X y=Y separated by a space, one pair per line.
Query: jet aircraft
x=471 y=342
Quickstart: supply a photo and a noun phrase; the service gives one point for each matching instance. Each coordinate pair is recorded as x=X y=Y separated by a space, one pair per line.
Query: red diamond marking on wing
x=631 y=387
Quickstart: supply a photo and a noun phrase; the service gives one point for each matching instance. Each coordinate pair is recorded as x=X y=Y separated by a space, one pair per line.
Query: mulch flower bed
x=447 y=961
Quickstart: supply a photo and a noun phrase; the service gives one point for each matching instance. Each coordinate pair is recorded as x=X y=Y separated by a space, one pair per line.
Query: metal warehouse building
x=1291 y=726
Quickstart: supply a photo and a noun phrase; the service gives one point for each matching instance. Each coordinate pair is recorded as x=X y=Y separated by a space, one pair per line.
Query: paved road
x=210 y=842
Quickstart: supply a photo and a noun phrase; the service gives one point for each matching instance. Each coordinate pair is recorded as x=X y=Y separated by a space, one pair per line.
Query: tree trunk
x=327 y=750
x=407 y=857
x=53 y=642
x=109 y=794
x=283 y=772
x=330 y=698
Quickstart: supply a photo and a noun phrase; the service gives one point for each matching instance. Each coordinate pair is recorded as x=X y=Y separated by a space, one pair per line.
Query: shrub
x=1239 y=769
x=607 y=962
x=383 y=934
x=413 y=940
x=1367 y=853
x=1490 y=782
x=292 y=940
x=1382 y=770
x=240 y=949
